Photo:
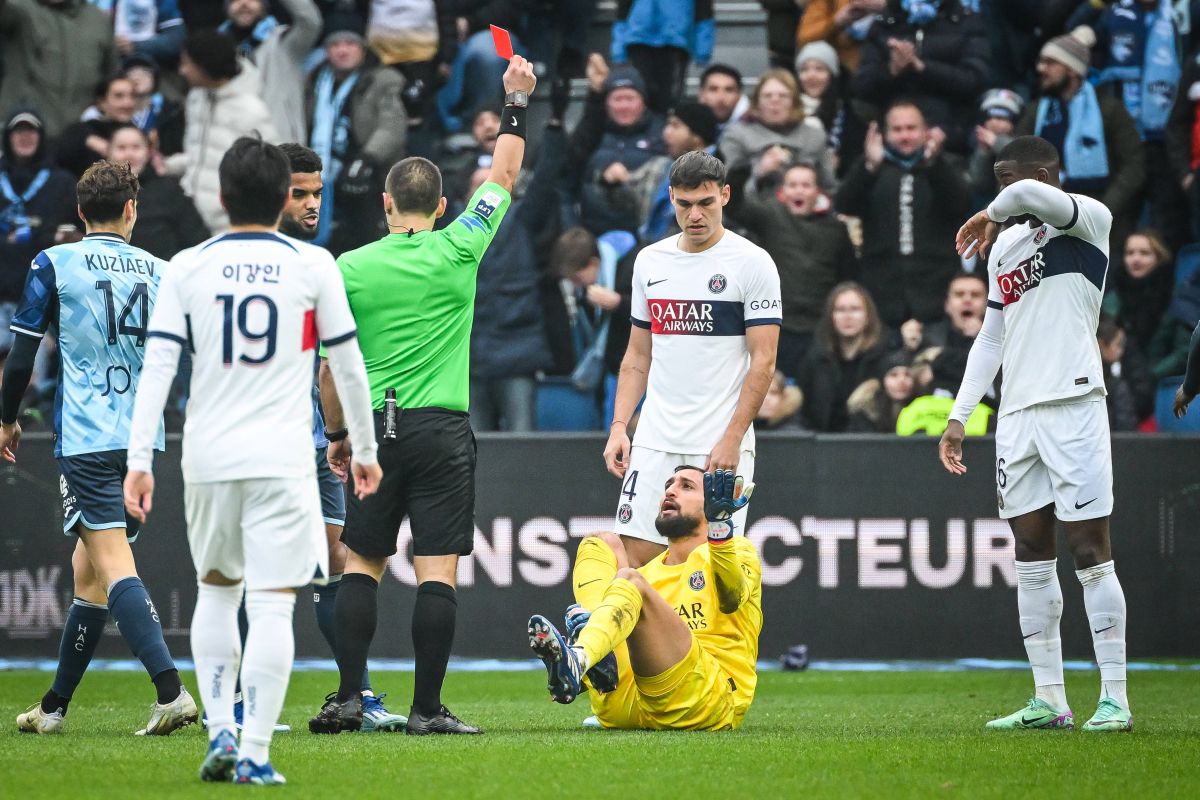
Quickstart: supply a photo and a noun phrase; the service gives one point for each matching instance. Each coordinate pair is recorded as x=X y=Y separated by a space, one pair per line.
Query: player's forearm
x=18 y=369
x=733 y=587
x=158 y=370
x=754 y=391
x=631 y=385
x=982 y=364
x=1191 y=379
x=331 y=406
x=350 y=374
x=1047 y=203
x=510 y=147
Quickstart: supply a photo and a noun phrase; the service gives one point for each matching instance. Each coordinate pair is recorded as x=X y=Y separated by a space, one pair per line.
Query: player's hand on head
x=139 y=494
x=724 y=494
x=616 y=452
x=976 y=235
x=950 y=448
x=10 y=438
x=519 y=76
x=1182 y=401
x=366 y=479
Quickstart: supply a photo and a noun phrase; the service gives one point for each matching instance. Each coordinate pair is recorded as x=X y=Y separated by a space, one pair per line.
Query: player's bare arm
x=158 y=371
x=762 y=341
x=631 y=385
x=338 y=454
x=950 y=448
x=510 y=150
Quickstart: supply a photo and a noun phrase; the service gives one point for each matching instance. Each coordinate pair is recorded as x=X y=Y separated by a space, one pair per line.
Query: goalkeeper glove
x=724 y=495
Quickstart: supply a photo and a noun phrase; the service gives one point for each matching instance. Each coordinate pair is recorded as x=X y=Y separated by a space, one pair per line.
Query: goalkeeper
x=672 y=645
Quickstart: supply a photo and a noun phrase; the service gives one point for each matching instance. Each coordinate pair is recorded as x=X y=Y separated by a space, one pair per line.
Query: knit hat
x=625 y=77
x=819 y=51
x=344 y=26
x=1004 y=103
x=699 y=119
x=1073 y=50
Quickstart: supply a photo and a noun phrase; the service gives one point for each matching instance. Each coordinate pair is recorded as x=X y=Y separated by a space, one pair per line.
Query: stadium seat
x=562 y=407
x=1186 y=263
x=1164 y=401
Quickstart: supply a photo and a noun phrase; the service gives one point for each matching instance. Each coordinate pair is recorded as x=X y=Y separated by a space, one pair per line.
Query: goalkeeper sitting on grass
x=672 y=645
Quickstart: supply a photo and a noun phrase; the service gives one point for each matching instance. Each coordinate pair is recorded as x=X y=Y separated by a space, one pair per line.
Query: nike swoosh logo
x=1027 y=721
x=1102 y=630
x=1079 y=505
x=1035 y=633
x=652 y=283
x=585 y=583
x=514 y=122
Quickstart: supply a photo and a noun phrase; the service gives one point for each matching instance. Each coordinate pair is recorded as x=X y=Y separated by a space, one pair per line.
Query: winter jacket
x=745 y=140
x=508 y=338
x=813 y=253
x=828 y=380
x=215 y=119
x=53 y=57
x=816 y=25
x=910 y=219
x=167 y=218
x=280 y=61
x=52 y=206
x=72 y=152
x=687 y=25
x=378 y=123
x=955 y=49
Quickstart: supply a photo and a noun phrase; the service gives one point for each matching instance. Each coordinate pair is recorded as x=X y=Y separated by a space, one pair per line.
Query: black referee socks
x=433 y=636
x=355 y=616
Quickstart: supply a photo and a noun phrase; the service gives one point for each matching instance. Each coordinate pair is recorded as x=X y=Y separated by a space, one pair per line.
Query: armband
x=720 y=531
x=512 y=120
x=337 y=436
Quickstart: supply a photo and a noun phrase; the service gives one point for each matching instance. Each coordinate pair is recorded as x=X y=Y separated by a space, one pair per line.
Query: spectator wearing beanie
x=842 y=23
x=823 y=93
x=934 y=53
x=617 y=135
x=1101 y=151
x=223 y=104
x=1000 y=109
x=876 y=404
x=690 y=126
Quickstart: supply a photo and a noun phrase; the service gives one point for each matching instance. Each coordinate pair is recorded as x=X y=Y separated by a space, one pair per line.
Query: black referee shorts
x=428 y=476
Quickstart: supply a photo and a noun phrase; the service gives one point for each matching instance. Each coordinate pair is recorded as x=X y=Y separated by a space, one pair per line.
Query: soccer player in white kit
x=252 y=305
x=1046 y=275
x=706 y=315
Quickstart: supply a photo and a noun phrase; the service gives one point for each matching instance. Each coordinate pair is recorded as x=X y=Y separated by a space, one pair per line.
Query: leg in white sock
x=216 y=649
x=1039 y=602
x=1105 y=603
x=266 y=668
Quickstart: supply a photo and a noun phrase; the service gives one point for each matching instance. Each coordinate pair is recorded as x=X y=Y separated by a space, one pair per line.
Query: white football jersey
x=252 y=308
x=697 y=307
x=1049 y=282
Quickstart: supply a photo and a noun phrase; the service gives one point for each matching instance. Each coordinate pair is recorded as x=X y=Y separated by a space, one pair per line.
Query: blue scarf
x=1084 y=154
x=1143 y=57
x=920 y=11
x=330 y=138
x=905 y=162
x=147 y=118
x=14 y=217
x=257 y=36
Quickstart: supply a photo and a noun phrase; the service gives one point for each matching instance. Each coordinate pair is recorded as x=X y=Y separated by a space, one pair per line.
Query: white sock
x=266 y=668
x=1039 y=602
x=216 y=649
x=1105 y=604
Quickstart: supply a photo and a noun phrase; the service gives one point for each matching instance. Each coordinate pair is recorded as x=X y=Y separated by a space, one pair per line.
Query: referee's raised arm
x=519 y=81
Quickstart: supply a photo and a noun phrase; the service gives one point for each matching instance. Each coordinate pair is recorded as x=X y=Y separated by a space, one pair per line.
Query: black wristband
x=336 y=436
x=512 y=120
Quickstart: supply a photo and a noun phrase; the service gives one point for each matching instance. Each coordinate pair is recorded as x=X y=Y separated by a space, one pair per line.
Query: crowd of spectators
x=852 y=160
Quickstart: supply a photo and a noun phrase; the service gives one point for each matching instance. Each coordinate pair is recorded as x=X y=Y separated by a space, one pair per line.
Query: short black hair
x=964 y=275
x=214 y=53
x=104 y=189
x=255 y=180
x=1030 y=151
x=101 y=90
x=573 y=250
x=696 y=168
x=721 y=69
x=128 y=126
x=415 y=185
x=301 y=158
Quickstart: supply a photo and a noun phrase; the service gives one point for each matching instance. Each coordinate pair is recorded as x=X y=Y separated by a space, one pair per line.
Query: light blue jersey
x=97 y=294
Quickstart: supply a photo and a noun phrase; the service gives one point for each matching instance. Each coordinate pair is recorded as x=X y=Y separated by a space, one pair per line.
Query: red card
x=503 y=42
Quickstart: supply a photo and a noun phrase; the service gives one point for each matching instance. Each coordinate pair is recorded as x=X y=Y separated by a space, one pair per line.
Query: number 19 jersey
x=252 y=308
x=96 y=296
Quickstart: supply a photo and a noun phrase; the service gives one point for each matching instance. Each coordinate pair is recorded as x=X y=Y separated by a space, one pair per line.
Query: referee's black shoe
x=335 y=717
x=441 y=722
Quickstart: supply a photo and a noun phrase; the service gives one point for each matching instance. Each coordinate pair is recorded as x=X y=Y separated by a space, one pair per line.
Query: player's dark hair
x=415 y=185
x=214 y=53
x=696 y=168
x=301 y=158
x=104 y=189
x=129 y=126
x=1029 y=151
x=573 y=250
x=682 y=467
x=963 y=275
x=255 y=180
x=827 y=337
x=720 y=69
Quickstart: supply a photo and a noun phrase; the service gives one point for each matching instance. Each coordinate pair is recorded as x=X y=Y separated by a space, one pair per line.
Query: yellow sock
x=595 y=568
x=612 y=620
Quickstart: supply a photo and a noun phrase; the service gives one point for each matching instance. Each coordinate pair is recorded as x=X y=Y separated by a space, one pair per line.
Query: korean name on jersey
x=697 y=307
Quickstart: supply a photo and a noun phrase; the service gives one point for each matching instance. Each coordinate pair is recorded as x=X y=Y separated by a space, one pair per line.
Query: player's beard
x=679 y=526
x=297 y=230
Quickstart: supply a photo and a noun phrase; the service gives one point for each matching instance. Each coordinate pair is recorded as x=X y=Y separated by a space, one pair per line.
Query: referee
x=412 y=294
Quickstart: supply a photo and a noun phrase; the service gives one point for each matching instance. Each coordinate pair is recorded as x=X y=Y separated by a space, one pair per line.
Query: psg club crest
x=1040 y=236
x=696 y=581
x=717 y=283
x=625 y=513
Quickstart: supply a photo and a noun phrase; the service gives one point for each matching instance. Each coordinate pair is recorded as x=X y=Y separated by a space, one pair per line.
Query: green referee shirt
x=413 y=300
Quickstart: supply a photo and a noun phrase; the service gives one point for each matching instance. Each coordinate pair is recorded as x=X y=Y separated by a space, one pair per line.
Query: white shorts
x=267 y=531
x=1055 y=453
x=645 y=483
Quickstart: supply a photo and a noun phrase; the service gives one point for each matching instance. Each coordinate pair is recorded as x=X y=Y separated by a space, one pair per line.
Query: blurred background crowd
x=858 y=136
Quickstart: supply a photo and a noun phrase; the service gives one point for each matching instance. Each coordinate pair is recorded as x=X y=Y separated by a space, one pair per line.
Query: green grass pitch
x=817 y=734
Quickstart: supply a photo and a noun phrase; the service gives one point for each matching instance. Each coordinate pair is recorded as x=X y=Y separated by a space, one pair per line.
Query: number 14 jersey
x=252 y=308
x=95 y=296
